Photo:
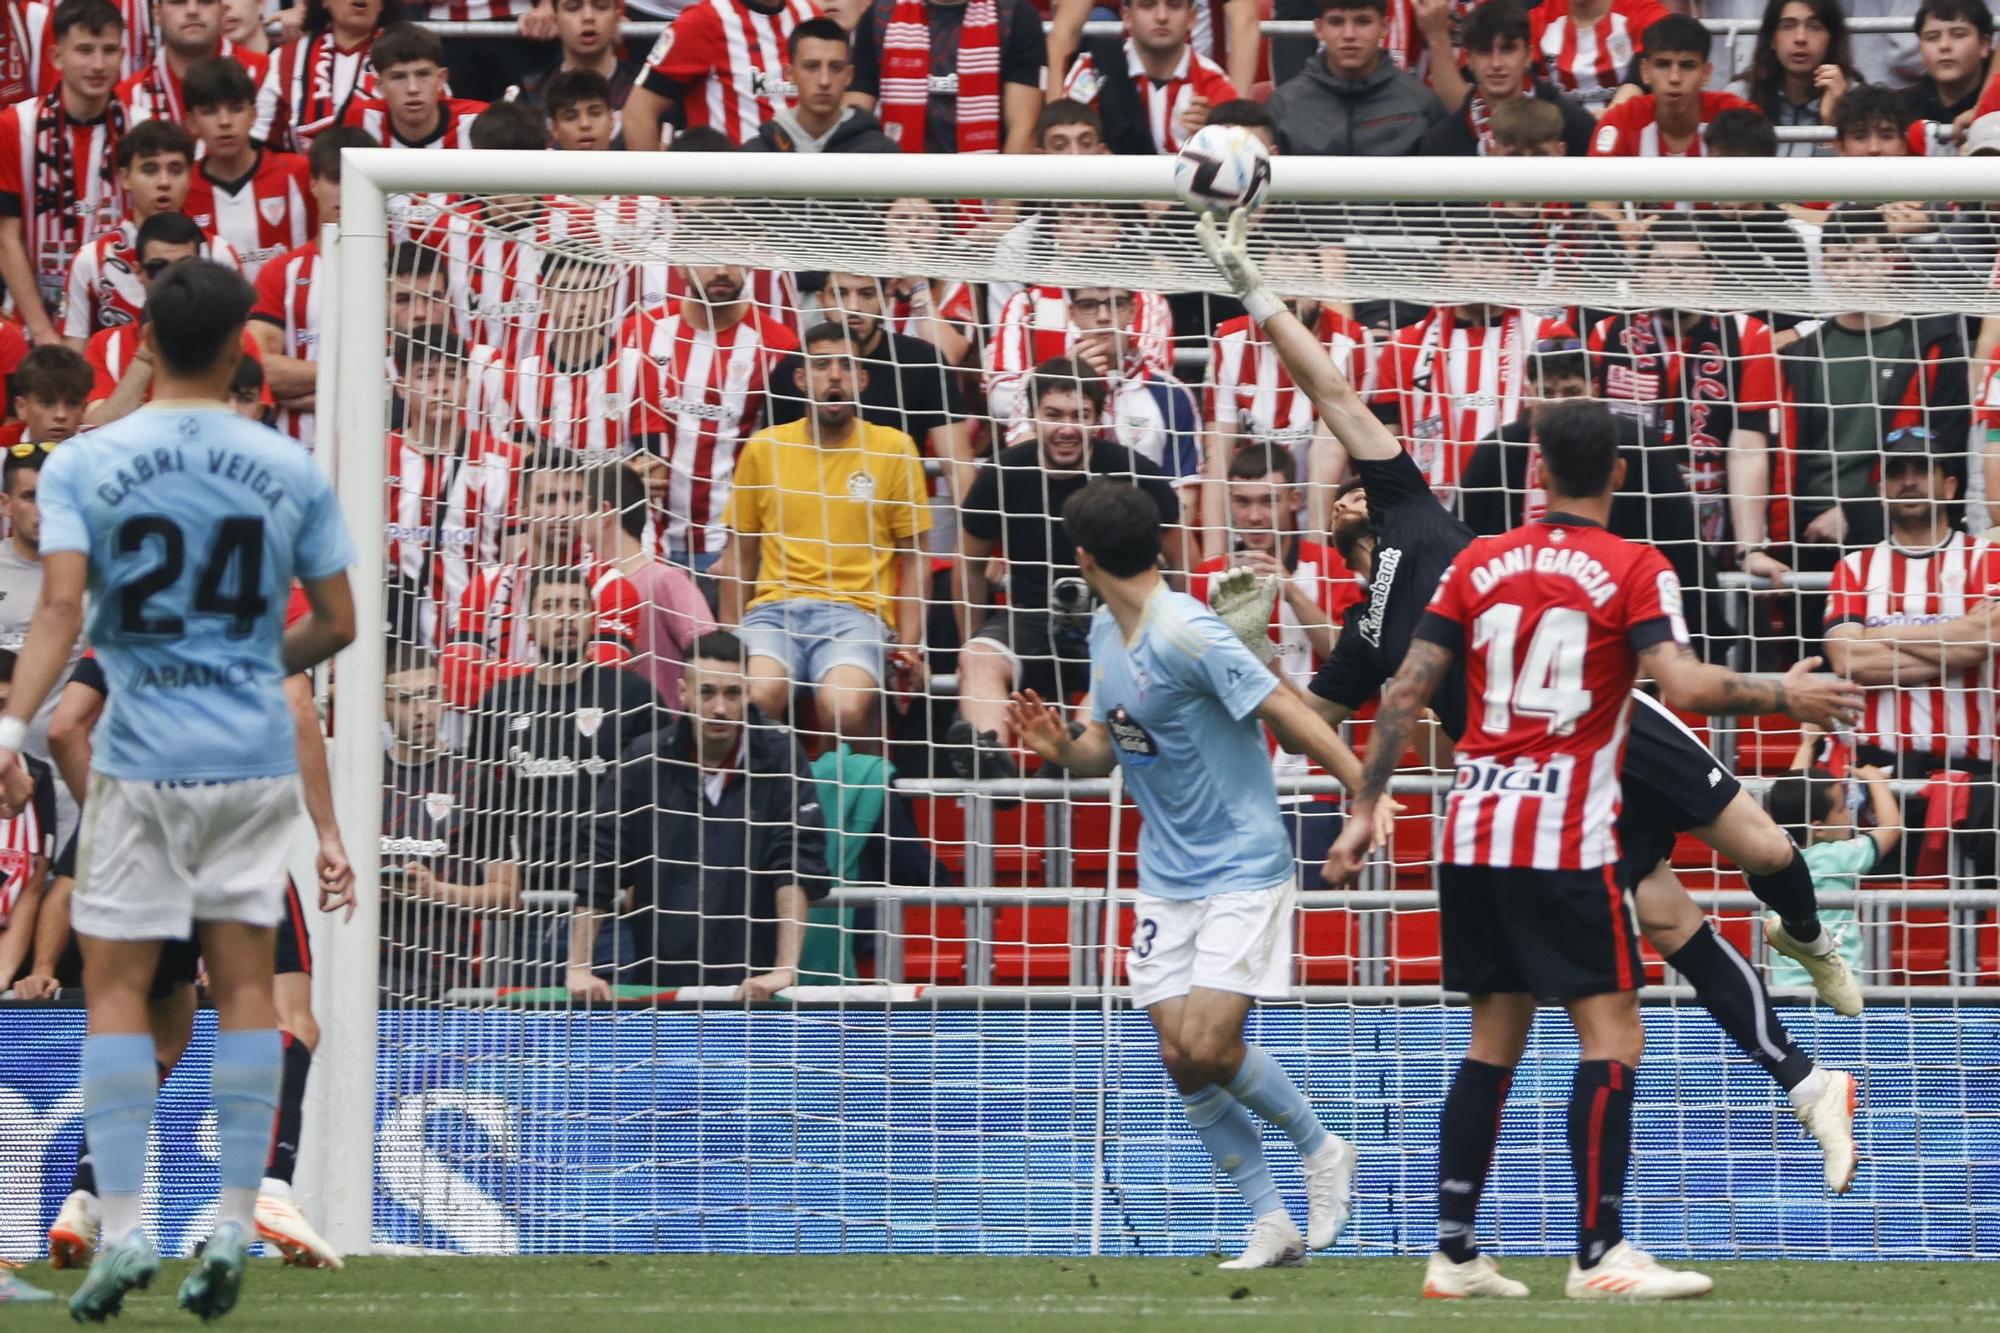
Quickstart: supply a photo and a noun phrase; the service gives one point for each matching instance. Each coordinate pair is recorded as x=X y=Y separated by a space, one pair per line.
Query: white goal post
x=1420 y=195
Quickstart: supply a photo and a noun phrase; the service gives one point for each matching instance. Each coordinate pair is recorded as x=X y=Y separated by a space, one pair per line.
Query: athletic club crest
x=588 y=720
x=272 y=211
x=439 y=805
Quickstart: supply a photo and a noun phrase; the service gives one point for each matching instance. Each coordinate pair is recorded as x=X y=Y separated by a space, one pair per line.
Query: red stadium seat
x=1327 y=941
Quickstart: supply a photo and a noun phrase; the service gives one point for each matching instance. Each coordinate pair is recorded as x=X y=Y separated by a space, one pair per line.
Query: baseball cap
x=1982 y=138
x=1907 y=442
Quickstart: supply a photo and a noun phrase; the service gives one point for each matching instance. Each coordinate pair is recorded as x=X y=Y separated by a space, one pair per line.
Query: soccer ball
x=1221 y=169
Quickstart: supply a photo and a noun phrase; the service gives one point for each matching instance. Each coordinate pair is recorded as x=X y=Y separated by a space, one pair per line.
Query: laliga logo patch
x=588 y=720
x=439 y=805
x=861 y=486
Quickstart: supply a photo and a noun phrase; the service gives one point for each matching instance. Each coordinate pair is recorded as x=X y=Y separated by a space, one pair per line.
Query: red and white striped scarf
x=320 y=84
x=68 y=206
x=906 y=76
x=20 y=58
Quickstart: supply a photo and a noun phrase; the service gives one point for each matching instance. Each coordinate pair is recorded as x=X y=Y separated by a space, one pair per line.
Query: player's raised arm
x=1694 y=686
x=1041 y=728
x=1359 y=431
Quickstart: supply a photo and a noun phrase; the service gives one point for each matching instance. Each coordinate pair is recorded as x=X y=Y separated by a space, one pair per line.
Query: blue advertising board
x=1012 y=1131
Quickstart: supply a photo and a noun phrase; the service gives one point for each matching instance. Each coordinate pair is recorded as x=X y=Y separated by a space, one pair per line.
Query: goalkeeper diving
x=1176 y=702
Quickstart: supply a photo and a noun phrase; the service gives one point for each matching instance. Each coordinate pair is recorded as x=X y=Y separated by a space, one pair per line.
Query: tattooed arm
x=1693 y=686
x=1403 y=702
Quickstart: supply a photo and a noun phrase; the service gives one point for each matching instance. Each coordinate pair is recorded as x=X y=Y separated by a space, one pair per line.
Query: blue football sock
x=1231 y=1137
x=1265 y=1089
x=119 y=1084
x=248 y=1066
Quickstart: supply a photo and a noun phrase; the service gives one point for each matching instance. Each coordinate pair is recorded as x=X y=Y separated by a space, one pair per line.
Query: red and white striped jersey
x=1632 y=128
x=711 y=398
x=454 y=128
x=953 y=302
x=139 y=36
x=1251 y=396
x=1455 y=381
x=1319 y=573
x=724 y=62
x=92 y=199
x=1952 y=715
x=447 y=515
x=308 y=87
x=493 y=273
x=494 y=281
x=25 y=840
x=1164 y=100
x=412 y=214
x=154 y=93
x=1034 y=325
x=104 y=284
x=267 y=212
x=605 y=406
x=476 y=11
x=26 y=69
x=1589 y=63
x=110 y=352
x=1549 y=619
x=489 y=632
x=288 y=296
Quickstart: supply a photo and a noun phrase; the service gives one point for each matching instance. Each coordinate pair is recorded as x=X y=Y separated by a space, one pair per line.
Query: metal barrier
x=1374 y=902
x=1730 y=28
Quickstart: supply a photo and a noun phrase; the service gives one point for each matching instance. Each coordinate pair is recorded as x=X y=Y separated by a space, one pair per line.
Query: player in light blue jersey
x=186 y=525
x=1176 y=701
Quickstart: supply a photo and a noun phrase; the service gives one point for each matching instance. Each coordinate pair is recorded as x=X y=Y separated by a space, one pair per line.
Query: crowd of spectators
x=636 y=507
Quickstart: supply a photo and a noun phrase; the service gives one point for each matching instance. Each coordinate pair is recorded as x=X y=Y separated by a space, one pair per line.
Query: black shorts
x=294 y=946
x=1558 y=935
x=179 y=965
x=64 y=866
x=1669 y=784
x=1055 y=663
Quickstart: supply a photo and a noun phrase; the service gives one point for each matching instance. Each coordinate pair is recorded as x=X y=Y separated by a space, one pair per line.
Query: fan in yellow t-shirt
x=824 y=516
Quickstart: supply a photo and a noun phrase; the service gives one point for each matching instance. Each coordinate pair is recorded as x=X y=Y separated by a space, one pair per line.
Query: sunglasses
x=28 y=450
x=153 y=268
x=1556 y=346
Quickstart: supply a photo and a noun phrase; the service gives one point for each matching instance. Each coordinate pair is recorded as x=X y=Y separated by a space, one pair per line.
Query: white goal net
x=849 y=975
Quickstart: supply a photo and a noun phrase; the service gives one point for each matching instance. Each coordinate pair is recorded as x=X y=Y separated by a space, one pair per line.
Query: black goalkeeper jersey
x=1416 y=540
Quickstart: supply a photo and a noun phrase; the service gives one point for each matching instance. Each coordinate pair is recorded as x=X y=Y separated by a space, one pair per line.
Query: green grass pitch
x=873 y=1294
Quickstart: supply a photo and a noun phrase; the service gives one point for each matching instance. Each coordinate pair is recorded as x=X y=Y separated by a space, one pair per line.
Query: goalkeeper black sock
x=85 y=1176
x=1600 y=1153
x=1467 y=1133
x=291 y=1109
x=1790 y=894
x=1734 y=995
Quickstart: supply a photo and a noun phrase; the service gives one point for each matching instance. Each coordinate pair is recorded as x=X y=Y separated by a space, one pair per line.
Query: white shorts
x=1238 y=942
x=153 y=858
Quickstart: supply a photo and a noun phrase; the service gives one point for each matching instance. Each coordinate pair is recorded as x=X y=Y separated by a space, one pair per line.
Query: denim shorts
x=810 y=637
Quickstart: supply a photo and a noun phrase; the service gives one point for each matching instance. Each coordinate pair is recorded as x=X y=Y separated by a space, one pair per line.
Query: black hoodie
x=704 y=876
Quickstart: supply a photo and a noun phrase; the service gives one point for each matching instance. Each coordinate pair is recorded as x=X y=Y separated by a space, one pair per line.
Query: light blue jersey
x=195 y=522
x=1178 y=703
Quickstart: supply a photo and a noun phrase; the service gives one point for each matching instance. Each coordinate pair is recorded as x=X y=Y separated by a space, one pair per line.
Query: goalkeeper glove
x=1230 y=254
x=1243 y=601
